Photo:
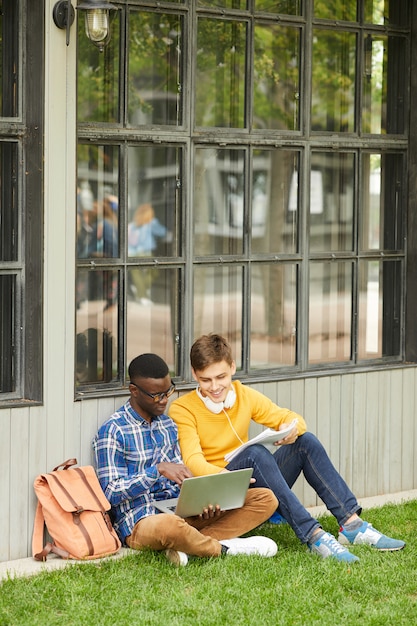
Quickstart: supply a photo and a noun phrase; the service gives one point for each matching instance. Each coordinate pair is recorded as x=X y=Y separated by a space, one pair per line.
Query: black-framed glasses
x=156 y=397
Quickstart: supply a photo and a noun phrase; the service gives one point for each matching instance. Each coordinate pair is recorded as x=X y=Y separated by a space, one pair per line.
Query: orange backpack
x=74 y=508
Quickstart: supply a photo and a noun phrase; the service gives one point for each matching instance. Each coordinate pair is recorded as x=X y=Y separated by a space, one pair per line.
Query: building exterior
x=247 y=167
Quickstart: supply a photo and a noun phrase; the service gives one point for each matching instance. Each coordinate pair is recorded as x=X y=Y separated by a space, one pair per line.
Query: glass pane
x=98 y=201
x=8 y=202
x=221 y=73
x=218 y=201
x=274 y=201
x=330 y=312
x=7 y=333
x=97 y=324
x=155 y=68
x=335 y=10
x=381 y=215
x=333 y=92
x=9 y=55
x=276 y=77
x=98 y=77
x=387 y=12
x=379 y=328
x=153 y=320
x=218 y=304
x=384 y=85
x=289 y=7
x=331 y=201
x=273 y=315
x=226 y=4
x=154 y=192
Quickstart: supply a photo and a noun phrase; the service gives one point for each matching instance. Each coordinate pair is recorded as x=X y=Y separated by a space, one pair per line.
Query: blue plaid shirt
x=127 y=449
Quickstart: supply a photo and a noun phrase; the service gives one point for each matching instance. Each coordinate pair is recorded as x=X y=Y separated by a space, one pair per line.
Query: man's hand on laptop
x=210 y=511
x=174 y=471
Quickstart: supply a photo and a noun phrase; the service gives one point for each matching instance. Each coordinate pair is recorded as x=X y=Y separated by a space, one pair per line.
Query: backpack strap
x=38 y=552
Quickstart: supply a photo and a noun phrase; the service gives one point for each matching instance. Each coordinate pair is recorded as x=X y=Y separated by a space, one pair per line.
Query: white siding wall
x=366 y=422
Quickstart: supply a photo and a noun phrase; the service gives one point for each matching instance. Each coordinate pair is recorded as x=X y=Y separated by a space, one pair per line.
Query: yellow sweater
x=206 y=437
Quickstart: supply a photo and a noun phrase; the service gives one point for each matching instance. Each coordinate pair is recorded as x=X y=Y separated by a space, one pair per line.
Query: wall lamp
x=97 y=19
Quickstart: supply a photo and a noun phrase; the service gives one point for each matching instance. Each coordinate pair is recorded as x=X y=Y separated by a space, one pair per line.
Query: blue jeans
x=280 y=470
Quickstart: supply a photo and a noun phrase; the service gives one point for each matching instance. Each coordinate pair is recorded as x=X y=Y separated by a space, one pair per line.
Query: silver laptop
x=227 y=489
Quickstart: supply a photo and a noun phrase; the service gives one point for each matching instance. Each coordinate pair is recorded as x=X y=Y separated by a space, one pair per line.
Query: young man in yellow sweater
x=214 y=419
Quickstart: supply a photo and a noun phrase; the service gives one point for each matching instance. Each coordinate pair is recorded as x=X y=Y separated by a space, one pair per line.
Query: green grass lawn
x=294 y=587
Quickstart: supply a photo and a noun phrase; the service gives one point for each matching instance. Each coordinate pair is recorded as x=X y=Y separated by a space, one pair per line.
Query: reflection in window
x=98 y=77
x=152 y=323
x=7 y=333
x=333 y=88
x=154 y=200
x=379 y=309
x=97 y=202
x=330 y=312
x=218 y=303
x=274 y=201
x=331 y=201
x=384 y=12
x=273 y=315
x=8 y=201
x=341 y=10
x=219 y=201
x=155 y=68
x=9 y=51
x=276 y=77
x=96 y=326
x=221 y=75
x=381 y=217
x=383 y=106
x=289 y=7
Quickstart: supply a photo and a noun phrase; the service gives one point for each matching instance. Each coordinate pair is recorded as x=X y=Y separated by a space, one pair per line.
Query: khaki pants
x=201 y=537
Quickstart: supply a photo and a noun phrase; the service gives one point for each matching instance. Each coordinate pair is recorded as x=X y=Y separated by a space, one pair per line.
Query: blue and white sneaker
x=327 y=546
x=366 y=534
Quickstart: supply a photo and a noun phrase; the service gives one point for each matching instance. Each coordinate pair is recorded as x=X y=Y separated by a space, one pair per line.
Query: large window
x=20 y=200
x=243 y=174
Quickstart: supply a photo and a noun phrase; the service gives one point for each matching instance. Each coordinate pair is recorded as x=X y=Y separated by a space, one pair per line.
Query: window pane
x=218 y=304
x=379 y=333
x=218 y=201
x=7 y=333
x=381 y=215
x=331 y=201
x=340 y=10
x=155 y=68
x=274 y=201
x=98 y=202
x=226 y=4
x=153 y=320
x=273 y=315
x=9 y=55
x=276 y=77
x=96 y=323
x=333 y=92
x=154 y=192
x=220 y=79
x=387 y=12
x=289 y=7
x=8 y=202
x=384 y=85
x=330 y=312
x=98 y=77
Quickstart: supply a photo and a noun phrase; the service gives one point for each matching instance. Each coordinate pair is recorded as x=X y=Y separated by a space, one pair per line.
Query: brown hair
x=209 y=349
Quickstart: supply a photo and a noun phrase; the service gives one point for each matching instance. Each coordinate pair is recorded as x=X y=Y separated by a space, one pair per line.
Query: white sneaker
x=176 y=557
x=262 y=546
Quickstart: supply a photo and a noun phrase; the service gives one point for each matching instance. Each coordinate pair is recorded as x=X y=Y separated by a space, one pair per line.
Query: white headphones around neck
x=218 y=407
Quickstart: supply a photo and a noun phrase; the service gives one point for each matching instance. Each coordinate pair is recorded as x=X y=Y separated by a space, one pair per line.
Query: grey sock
x=357 y=523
